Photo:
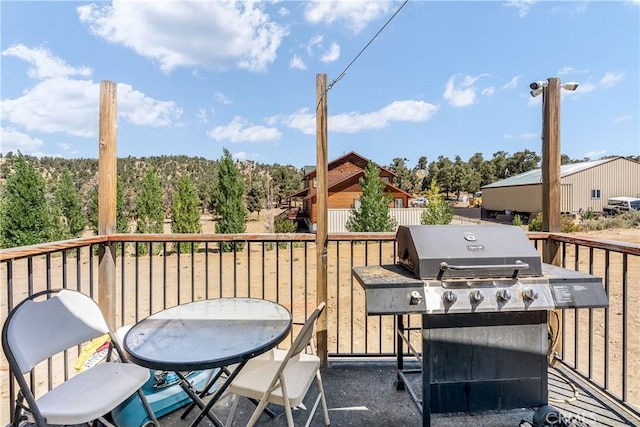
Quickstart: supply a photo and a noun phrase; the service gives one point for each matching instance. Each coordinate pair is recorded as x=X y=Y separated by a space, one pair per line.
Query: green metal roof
x=535 y=176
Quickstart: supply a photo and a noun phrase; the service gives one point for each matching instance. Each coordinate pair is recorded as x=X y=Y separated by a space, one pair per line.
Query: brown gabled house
x=344 y=190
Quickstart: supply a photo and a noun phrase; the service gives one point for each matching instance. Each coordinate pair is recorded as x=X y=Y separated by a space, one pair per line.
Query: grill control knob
x=476 y=296
x=530 y=294
x=503 y=295
x=416 y=298
x=449 y=297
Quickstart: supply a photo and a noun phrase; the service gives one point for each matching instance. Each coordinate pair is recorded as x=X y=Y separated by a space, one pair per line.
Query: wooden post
x=107 y=179
x=551 y=189
x=551 y=166
x=322 y=216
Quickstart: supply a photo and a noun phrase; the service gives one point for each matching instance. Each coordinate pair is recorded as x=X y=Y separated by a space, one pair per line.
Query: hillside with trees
x=64 y=191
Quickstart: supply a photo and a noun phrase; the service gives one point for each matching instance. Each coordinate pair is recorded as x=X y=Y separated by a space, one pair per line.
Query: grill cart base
x=484 y=361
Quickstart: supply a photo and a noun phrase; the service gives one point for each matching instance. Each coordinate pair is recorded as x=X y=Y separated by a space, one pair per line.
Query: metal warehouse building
x=582 y=186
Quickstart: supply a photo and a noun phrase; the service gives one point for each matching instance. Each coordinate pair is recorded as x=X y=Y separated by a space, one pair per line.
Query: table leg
x=205 y=390
x=186 y=386
x=206 y=411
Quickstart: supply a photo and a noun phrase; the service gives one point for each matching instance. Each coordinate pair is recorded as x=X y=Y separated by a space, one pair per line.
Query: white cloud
x=525 y=136
x=610 y=78
x=595 y=154
x=623 y=118
x=222 y=98
x=585 y=87
x=44 y=63
x=62 y=104
x=297 y=63
x=283 y=12
x=354 y=15
x=568 y=70
x=523 y=6
x=397 y=111
x=201 y=115
x=579 y=7
x=332 y=54
x=239 y=130
x=240 y=155
x=15 y=141
x=209 y=34
x=314 y=42
x=139 y=109
x=56 y=105
x=488 y=91
x=512 y=83
x=464 y=94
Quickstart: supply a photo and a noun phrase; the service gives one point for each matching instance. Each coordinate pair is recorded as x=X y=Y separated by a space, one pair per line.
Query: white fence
x=337 y=218
x=404 y=216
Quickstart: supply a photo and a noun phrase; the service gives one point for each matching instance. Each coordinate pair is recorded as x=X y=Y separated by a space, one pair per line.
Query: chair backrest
x=36 y=330
x=305 y=335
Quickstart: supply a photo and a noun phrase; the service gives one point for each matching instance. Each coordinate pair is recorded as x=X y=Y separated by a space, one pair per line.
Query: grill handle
x=517 y=266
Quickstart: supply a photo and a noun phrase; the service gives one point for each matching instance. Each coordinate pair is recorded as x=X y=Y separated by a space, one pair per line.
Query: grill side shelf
x=390 y=289
x=574 y=289
x=384 y=276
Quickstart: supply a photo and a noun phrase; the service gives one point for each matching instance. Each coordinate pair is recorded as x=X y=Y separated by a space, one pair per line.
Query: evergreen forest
x=64 y=191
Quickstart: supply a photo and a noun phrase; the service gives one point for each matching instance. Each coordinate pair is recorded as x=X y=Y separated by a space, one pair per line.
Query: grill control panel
x=390 y=289
x=487 y=296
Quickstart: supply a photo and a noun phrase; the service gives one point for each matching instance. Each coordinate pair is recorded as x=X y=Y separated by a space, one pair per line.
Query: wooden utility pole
x=321 y=213
x=551 y=167
x=551 y=188
x=107 y=179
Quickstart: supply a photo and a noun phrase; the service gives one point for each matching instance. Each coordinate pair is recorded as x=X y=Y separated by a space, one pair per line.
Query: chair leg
x=147 y=407
x=259 y=408
x=285 y=400
x=313 y=410
x=325 y=410
x=234 y=406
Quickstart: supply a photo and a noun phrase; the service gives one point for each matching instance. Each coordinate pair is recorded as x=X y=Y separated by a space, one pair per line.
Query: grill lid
x=467 y=251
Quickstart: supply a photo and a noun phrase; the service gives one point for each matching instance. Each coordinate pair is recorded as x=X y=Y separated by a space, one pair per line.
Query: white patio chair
x=37 y=329
x=282 y=377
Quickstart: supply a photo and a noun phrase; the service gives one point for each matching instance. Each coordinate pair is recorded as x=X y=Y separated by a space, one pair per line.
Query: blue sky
x=443 y=78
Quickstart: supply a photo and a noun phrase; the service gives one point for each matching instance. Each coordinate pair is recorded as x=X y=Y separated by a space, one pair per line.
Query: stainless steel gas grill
x=484 y=296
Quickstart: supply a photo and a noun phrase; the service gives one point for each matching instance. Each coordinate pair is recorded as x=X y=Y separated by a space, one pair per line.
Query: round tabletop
x=207 y=334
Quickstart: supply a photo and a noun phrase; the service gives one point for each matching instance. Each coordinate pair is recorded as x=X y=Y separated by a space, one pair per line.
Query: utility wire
x=341 y=75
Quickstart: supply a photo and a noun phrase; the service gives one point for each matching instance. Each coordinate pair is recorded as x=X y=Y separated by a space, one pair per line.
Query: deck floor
x=362 y=393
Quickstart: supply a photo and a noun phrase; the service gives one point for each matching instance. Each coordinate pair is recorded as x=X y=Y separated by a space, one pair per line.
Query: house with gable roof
x=344 y=191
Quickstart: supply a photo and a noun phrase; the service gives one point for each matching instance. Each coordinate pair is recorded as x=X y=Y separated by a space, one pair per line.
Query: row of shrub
x=630 y=219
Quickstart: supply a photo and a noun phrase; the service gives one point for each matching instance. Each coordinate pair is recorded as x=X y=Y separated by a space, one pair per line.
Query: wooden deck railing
x=601 y=345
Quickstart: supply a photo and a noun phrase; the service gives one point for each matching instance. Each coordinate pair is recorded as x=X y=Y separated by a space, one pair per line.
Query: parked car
x=617 y=205
x=420 y=202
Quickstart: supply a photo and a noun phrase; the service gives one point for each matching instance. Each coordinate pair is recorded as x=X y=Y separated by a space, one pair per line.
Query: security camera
x=538 y=85
x=570 y=86
x=536 y=92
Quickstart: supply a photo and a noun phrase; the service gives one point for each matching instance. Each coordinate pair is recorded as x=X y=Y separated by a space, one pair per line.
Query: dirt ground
x=211 y=274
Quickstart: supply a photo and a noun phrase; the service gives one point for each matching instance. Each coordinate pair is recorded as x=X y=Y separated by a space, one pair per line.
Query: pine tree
x=228 y=199
x=70 y=206
x=185 y=212
x=25 y=217
x=122 y=217
x=373 y=213
x=255 y=196
x=438 y=210
x=149 y=208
